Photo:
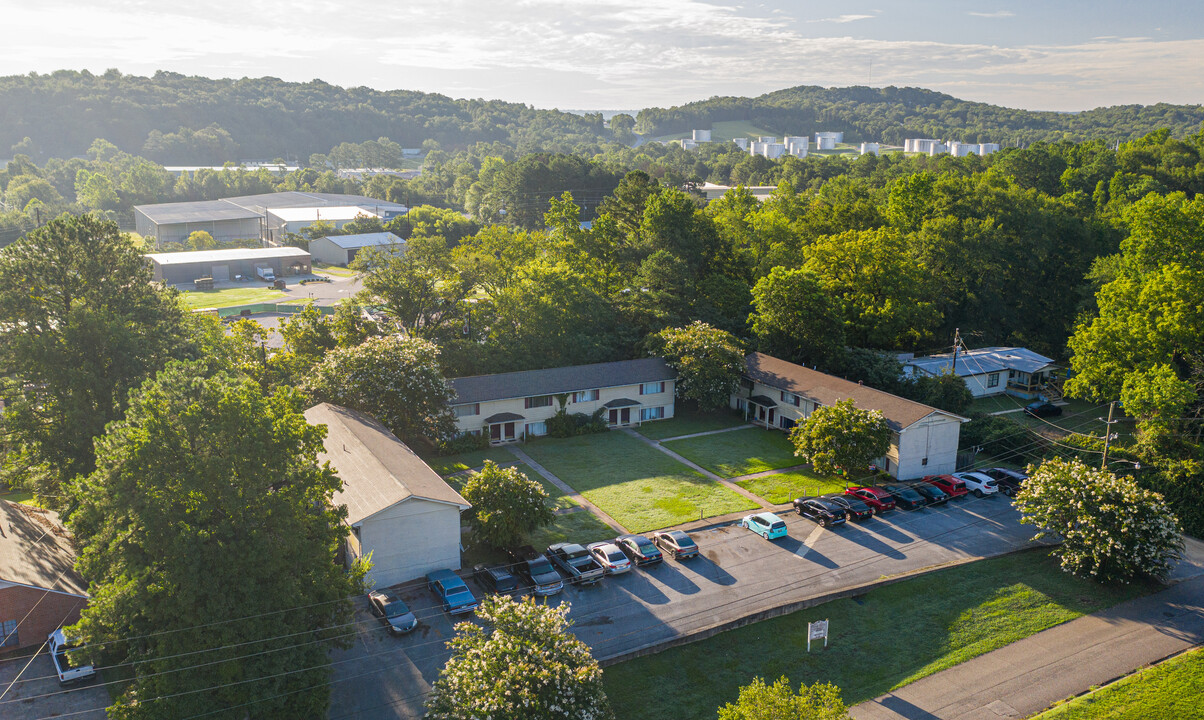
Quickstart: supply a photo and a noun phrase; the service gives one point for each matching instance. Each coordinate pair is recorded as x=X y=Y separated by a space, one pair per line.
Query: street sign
x=815 y=631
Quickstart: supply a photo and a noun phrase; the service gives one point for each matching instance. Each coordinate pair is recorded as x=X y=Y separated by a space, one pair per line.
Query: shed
x=398 y=508
x=342 y=249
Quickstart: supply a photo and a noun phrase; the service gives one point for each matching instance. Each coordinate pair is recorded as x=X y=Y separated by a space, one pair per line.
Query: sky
x=628 y=54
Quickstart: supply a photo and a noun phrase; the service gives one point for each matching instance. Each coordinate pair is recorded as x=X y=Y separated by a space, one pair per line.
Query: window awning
x=503 y=417
x=763 y=401
x=621 y=403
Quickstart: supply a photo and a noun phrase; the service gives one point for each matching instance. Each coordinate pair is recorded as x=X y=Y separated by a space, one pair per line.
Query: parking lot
x=737 y=575
x=85 y=702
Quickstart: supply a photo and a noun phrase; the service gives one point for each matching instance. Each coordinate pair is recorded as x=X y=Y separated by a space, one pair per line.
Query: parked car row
x=546 y=573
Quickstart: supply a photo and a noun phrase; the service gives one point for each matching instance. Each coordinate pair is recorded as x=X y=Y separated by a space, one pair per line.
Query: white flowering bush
x=1110 y=527
x=522 y=665
x=760 y=701
x=395 y=379
x=708 y=362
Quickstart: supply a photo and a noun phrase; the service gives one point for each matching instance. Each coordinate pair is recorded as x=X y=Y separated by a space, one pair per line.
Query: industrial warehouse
x=224 y=265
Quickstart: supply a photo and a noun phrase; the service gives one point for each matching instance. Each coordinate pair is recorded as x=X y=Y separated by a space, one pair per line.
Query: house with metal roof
x=342 y=249
x=991 y=371
x=509 y=406
x=399 y=510
x=780 y=394
x=40 y=591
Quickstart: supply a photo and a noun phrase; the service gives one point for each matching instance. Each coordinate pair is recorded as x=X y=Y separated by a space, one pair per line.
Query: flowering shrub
x=708 y=362
x=523 y=664
x=395 y=379
x=506 y=504
x=761 y=701
x=1111 y=528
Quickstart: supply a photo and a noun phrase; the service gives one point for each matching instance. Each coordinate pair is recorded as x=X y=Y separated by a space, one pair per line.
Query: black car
x=575 y=563
x=854 y=508
x=905 y=497
x=1009 y=481
x=932 y=494
x=1042 y=410
x=392 y=610
x=495 y=579
x=676 y=543
x=639 y=549
x=537 y=570
x=824 y=512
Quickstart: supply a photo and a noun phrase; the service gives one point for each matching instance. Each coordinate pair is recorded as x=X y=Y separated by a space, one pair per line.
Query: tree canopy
x=506 y=505
x=841 y=437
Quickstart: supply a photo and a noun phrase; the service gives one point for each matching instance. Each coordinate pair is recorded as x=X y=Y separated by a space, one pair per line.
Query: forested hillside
x=892 y=114
x=172 y=118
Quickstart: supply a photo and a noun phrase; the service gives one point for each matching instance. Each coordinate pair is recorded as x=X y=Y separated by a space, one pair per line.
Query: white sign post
x=815 y=631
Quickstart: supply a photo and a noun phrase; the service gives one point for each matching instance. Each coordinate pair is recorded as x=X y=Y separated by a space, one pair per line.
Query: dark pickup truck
x=536 y=569
x=575 y=563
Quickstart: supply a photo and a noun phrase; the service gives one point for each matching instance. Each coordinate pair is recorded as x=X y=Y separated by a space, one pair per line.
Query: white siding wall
x=935 y=438
x=326 y=251
x=605 y=395
x=411 y=539
x=978 y=384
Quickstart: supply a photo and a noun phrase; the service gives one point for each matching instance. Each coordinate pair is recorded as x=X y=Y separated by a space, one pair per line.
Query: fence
x=282 y=308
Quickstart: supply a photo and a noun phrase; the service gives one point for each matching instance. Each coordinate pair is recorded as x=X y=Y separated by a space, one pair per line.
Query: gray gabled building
x=342 y=249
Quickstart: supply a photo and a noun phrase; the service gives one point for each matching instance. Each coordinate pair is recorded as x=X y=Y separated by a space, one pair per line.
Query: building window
x=656 y=413
x=924 y=461
x=993 y=380
x=537 y=402
x=785 y=423
x=652 y=388
x=8 y=633
x=467 y=410
x=791 y=399
x=537 y=429
x=585 y=396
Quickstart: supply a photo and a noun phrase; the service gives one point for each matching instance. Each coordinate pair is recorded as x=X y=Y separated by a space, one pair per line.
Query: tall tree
x=708 y=362
x=81 y=324
x=523 y=665
x=208 y=537
x=506 y=504
x=795 y=319
x=760 y=701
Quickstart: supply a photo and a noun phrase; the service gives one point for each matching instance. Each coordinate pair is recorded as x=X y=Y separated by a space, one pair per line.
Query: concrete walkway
x=1029 y=675
x=708 y=432
x=564 y=488
x=699 y=469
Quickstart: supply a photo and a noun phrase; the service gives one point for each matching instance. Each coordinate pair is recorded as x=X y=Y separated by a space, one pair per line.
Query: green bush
x=565 y=424
x=464 y=443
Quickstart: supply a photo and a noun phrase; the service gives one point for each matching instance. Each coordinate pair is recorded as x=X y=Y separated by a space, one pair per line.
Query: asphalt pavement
x=739 y=577
x=1029 y=675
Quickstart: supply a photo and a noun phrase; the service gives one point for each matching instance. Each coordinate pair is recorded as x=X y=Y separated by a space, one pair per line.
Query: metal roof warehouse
x=184 y=267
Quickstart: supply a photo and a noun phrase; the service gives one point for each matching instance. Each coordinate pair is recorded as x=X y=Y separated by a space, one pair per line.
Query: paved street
x=1029 y=675
x=738 y=575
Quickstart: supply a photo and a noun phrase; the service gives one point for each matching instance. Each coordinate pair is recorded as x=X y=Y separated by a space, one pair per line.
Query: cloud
x=996 y=14
x=842 y=19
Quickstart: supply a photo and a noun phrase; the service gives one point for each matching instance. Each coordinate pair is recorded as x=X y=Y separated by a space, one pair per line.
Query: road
x=738 y=576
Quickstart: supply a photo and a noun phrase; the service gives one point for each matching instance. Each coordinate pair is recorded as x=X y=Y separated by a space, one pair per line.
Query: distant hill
x=63 y=112
x=178 y=119
x=893 y=114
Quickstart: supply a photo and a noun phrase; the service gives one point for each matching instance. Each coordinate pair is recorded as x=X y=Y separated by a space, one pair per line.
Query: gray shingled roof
x=828 y=389
x=36 y=550
x=378 y=470
x=528 y=383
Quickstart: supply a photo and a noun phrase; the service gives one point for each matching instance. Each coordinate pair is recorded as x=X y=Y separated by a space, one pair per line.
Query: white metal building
x=398 y=508
x=990 y=371
x=221 y=265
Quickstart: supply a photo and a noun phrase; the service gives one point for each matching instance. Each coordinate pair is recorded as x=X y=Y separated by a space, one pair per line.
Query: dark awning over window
x=621 y=403
x=763 y=401
x=503 y=417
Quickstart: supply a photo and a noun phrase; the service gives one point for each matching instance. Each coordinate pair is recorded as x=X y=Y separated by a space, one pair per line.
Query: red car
x=953 y=487
x=876 y=498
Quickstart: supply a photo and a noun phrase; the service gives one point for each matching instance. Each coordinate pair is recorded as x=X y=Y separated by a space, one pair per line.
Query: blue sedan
x=766 y=524
x=452 y=592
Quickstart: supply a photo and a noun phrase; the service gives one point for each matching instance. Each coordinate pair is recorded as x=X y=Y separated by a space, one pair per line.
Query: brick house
x=39 y=588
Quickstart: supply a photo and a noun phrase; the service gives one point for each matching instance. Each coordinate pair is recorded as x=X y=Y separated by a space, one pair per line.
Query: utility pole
x=957 y=343
x=1108 y=435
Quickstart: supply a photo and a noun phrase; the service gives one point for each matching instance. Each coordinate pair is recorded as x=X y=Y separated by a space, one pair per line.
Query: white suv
x=978 y=483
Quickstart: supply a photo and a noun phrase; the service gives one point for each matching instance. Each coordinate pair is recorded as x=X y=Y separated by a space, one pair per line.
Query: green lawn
x=1171 y=690
x=739 y=452
x=784 y=487
x=687 y=422
x=18 y=496
x=448 y=464
x=230 y=296
x=882 y=640
x=639 y=486
x=580 y=526
x=334 y=270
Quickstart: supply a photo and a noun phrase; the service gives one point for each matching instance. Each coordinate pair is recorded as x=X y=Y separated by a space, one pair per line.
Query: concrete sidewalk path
x=1029 y=675
x=706 y=432
x=761 y=503
x=567 y=489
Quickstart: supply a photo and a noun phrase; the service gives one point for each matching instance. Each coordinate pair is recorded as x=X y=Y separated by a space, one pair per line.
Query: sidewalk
x=763 y=504
x=1029 y=675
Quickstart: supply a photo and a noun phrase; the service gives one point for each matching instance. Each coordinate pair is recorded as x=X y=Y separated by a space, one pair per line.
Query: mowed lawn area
x=576 y=525
x=229 y=297
x=639 y=486
x=687 y=422
x=739 y=452
x=785 y=486
x=1171 y=690
x=448 y=464
x=879 y=641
